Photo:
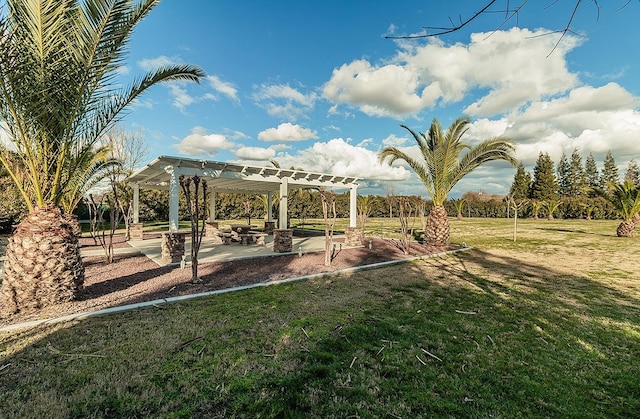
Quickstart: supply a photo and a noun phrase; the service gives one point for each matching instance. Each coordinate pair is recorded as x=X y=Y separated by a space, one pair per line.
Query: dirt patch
x=89 y=243
x=133 y=278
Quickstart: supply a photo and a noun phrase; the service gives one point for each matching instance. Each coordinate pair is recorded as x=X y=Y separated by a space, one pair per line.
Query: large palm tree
x=59 y=93
x=441 y=164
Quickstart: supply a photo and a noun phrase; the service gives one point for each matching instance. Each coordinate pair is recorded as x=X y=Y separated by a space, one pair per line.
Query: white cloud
x=224 y=88
x=287 y=132
x=394 y=141
x=236 y=135
x=515 y=67
x=142 y=103
x=591 y=119
x=280 y=147
x=181 y=99
x=255 y=153
x=283 y=101
x=494 y=178
x=199 y=143
x=151 y=64
x=363 y=143
x=341 y=158
x=123 y=70
x=388 y=90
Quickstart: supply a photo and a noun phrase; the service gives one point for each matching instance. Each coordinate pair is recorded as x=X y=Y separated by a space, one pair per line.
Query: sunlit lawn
x=548 y=326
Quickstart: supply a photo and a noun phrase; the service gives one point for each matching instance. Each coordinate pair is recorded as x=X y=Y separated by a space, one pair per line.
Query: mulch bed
x=133 y=278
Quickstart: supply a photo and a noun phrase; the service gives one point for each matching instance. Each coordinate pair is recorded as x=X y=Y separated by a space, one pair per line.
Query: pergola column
x=174 y=189
x=269 y=206
x=353 y=207
x=136 y=202
x=353 y=234
x=283 y=209
x=212 y=206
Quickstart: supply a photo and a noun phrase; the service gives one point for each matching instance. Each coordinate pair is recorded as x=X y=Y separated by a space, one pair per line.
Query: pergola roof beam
x=165 y=171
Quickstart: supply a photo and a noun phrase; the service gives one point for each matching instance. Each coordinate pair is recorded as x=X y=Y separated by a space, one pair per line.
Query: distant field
x=548 y=326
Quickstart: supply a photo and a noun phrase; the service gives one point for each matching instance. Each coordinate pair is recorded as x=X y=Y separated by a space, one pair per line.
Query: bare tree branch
x=509 y=13
x=444 y=31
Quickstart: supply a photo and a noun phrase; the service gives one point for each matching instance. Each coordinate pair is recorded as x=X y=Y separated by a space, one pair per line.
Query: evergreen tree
x=610 y=177
x=592 y=177
x=562 y=171
x=521 y=183
x=576 y=176
x=544 y=185
x=633 y=173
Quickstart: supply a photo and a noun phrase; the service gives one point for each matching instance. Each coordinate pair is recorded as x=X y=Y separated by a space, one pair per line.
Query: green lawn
x=548 y=326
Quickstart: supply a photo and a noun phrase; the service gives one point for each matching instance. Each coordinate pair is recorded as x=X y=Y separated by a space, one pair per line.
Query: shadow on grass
x=516 y=339
x=537 y=280
x=571 y=230
x=355 y=347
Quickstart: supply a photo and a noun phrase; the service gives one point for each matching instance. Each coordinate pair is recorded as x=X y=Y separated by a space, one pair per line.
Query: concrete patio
x=215 y=252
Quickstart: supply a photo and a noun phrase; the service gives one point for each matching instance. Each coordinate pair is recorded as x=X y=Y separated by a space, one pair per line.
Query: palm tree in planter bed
x=441 y=164
x=625 y=198
x=58 y=95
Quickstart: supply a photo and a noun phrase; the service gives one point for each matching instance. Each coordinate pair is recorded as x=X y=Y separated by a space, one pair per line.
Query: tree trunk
x=76 y=229
x=43 y=265
x=438 y=230
x=626 y=229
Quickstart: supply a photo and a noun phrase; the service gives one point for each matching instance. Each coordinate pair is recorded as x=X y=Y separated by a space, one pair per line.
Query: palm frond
x=624 y=197
x=87 y=175
x=498 y=148
x=419 y=167
x=58 y=85
x=108 y=110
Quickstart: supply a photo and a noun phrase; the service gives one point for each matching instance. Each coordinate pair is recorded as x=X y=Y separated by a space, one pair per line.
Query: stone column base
x=353 y=236
x=172 y=247
x=269 y=226
x=282 y=241
x=136 y=231
x=211 y=231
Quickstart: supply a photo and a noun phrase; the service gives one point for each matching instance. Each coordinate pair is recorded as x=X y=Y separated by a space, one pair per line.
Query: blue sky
x=316 y=85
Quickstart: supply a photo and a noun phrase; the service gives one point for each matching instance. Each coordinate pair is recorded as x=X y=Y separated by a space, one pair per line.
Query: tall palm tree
x=59 y=61
x=441 y=164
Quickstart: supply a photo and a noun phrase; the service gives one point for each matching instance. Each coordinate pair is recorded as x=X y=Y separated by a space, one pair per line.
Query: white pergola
x=165 y=171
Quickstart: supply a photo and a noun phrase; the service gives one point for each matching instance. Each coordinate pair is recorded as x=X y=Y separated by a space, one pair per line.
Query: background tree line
x=571 y=189
x=567 y=188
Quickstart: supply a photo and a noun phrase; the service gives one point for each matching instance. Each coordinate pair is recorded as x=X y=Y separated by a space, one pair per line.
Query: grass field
x=548 y=326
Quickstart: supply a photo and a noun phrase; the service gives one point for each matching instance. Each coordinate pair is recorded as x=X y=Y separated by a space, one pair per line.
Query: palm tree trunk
x=438 y=230
x=43 y=265
x=626 y=229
